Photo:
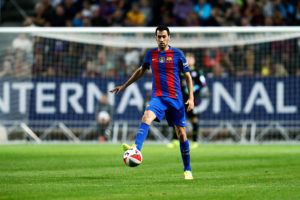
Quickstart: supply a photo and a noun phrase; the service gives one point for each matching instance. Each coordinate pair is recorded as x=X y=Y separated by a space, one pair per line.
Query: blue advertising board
x=76 y=99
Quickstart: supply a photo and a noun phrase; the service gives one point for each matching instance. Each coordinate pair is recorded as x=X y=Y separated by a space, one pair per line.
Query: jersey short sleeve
x=183 y=63
x=146 y=62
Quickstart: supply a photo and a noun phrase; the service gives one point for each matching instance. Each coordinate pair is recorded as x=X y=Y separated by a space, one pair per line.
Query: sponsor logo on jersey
x=185 y=64
x=161 y=59
x=169 y=59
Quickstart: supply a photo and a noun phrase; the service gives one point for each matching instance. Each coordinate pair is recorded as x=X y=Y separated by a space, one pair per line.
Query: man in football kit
x=166 y=64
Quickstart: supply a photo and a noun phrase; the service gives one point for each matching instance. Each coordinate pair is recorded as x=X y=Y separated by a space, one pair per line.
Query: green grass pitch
x=98 y=172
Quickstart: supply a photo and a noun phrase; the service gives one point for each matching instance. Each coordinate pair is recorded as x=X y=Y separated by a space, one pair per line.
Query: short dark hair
x=162 y=28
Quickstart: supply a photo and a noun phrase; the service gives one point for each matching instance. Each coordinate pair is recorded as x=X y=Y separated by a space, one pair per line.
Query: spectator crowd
x=99 y=13
x=45 y=57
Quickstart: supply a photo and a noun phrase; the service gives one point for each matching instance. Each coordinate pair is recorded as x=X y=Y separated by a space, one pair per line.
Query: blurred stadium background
x=55 y=81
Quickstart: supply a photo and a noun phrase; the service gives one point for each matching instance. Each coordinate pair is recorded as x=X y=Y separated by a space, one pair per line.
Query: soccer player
x=166 y=64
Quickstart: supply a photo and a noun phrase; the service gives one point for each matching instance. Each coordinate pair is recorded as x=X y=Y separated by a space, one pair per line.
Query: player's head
x=162 y=36
x=190 y=57
x=162 y=28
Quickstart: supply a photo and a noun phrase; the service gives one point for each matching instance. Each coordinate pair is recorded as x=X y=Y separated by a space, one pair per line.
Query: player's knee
x=181 y=134
x=148 y=117
x=145 y=119
x=181 y=137
x=194 y=119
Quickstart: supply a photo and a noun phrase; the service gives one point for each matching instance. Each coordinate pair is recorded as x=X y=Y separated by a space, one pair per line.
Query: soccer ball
x=103 y=115
x=132 y=157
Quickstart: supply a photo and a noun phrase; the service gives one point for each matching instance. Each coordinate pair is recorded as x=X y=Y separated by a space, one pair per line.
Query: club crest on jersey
x=161 y=59
x=169 y=59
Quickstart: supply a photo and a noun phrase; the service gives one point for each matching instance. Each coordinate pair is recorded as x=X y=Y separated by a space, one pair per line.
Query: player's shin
x=195 y=131
x=185 y=154
x=141 y=135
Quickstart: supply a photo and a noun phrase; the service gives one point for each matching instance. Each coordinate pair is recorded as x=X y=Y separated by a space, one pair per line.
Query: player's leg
x=175 y=116
x=142 y=132
x=185 y=151
x=184 y=146
x=194 y=120
x=155 y=110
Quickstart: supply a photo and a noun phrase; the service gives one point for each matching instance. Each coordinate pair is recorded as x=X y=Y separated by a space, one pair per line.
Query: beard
x=161 y=45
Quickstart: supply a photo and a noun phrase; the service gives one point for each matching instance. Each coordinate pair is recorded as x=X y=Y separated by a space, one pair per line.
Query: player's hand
x=190 y=105
x=118 y=89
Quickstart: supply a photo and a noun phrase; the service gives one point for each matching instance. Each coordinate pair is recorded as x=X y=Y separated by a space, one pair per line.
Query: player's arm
x=135 y=76
x=189 y=82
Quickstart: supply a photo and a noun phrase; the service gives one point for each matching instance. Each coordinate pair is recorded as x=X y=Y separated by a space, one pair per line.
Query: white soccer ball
x=132 y=157
x=103 y=115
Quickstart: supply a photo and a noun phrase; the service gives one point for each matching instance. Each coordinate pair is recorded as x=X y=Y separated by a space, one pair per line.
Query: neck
x=164 y=49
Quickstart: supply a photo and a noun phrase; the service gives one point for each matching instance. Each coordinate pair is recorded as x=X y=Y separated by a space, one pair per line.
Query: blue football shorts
x=173 y=109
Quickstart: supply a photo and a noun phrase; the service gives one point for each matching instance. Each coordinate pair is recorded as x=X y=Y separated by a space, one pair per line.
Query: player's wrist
x=124 y=86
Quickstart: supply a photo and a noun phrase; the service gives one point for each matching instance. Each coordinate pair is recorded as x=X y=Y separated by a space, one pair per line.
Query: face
x=191 y=60
x=104 y=99
x=162 y=39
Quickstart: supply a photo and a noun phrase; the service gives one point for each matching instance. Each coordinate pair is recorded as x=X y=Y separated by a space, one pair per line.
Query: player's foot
x=170 y=145
x=194 y=145
x=173 y=144
x=188 y=175
x=125 y=147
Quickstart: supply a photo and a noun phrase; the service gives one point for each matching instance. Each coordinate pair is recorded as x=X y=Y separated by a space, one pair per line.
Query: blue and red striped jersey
x=166 y=67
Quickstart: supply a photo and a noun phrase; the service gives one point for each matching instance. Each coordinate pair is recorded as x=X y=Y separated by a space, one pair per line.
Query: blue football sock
x=141 y=135
x=185 y=154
